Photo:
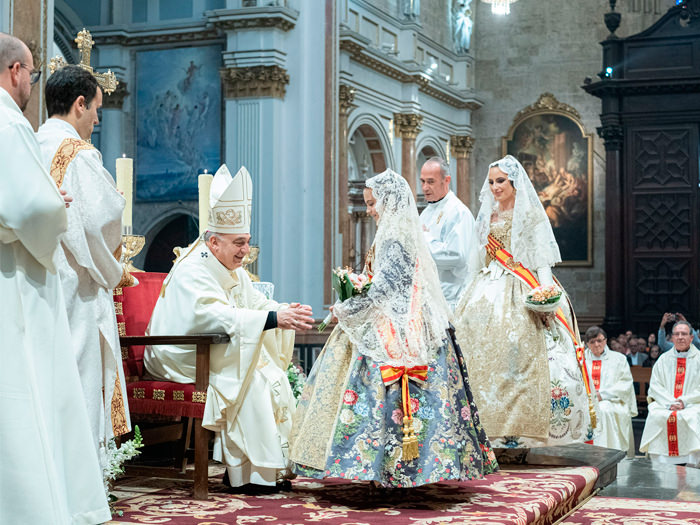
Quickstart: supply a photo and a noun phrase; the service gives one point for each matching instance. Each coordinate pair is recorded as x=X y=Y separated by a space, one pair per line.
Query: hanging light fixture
x=500 y=7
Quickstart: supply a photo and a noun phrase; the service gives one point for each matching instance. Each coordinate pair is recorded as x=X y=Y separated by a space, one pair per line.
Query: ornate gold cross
x=107 y=81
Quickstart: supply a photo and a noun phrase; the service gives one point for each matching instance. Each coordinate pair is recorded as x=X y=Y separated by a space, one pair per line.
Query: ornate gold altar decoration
x=132 y=246
x=107 y=81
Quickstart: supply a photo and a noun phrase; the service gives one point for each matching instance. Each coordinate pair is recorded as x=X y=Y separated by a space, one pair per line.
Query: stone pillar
x=461 y=146
x=407 y=126
x=112 y=141
x=346 y=95
x=32 y=21
x=613 y=135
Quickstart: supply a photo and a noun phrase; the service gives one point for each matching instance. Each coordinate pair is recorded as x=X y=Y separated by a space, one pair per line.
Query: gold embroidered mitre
x=230 y=201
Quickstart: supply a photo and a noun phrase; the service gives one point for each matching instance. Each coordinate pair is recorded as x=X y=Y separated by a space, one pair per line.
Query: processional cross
x=107 y=81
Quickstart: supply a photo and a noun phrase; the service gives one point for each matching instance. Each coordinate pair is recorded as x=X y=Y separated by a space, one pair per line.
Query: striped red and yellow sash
x=495 y=249
x=419 y=374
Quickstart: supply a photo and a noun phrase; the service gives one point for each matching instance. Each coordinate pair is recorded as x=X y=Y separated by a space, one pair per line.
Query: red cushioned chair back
x=134 y=307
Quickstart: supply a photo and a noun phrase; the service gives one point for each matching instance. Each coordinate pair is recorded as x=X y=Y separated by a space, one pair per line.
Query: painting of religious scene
x=557 y=154
x=178 y=130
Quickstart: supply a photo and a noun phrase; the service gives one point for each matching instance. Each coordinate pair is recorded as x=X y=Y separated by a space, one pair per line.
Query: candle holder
x=133 y=244
x=248 y=260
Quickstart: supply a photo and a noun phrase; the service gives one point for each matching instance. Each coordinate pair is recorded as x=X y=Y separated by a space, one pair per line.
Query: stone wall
x=550 y=47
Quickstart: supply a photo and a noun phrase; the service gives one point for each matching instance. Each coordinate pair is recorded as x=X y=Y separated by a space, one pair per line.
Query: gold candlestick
x=133 y=244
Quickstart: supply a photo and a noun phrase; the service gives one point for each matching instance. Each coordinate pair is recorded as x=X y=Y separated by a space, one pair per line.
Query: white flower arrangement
x=297 y=379
x=116 y=457
x=543 y=299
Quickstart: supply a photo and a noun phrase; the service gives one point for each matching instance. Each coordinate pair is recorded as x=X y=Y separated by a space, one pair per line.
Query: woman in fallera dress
x=523 y=366
x=391 y=350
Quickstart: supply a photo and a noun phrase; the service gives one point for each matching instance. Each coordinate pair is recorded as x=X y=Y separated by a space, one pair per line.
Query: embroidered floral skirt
x=348 y=424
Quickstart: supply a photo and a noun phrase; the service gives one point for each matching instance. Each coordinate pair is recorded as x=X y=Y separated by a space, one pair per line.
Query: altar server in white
x=611 y=380
x=672 y=430
x=448 y=226
x=86 y=264
x=49 y=472
x=249 y=402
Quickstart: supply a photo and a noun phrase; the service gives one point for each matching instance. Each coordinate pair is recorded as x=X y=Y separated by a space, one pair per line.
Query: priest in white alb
x=49 y=472
x=86 y=264
x=448 y=226
x=672 y=430
x=249 y=402
x=610 y=378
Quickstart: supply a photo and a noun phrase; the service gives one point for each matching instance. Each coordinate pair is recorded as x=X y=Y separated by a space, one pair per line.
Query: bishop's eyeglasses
x=34 y=74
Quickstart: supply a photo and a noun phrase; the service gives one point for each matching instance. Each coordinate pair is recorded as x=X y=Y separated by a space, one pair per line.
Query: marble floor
x=639 y=478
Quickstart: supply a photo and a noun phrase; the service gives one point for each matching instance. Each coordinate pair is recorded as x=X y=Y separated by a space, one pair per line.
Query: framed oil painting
x=550 y=142
x=178 y=124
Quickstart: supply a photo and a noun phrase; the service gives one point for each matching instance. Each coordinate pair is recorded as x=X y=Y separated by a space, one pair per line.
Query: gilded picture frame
x=551 y=143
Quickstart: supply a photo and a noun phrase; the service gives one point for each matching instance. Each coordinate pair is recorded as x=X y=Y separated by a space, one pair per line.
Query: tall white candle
x=204 y=182
x=125 y=184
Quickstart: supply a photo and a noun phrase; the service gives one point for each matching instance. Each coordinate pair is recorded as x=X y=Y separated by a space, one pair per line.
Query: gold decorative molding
x=276 y=22
x=548 y=102
x=461 y=146
x=346 y=96
x=256 y=81
x=126 y=39
x=407 y=125
x=116 y=99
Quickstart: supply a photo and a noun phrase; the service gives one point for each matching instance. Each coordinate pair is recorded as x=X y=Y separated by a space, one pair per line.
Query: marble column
x=346 y=95
x=112 y=140
x=32 y=21
x=408 y=126
x=461 y=148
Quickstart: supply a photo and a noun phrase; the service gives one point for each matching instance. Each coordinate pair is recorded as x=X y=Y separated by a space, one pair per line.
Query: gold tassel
x=591 y=410
x=410 y=442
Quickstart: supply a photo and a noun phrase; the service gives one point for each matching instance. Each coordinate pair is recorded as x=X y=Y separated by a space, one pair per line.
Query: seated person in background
x=636 y=356
x=615 y=346
x=249 y=403
x=654 y=353
x=651 y=341
x=672 y=430
x=663 y=341
x=611 y=379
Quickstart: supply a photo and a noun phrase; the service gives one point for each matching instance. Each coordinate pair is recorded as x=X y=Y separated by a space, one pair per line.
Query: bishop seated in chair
x=249 y=404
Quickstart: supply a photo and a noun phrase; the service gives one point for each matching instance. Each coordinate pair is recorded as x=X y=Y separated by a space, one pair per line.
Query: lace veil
x=532 y=239
x=402 y=319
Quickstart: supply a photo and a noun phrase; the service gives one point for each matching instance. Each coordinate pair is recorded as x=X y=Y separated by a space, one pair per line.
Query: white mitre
x=230 y=201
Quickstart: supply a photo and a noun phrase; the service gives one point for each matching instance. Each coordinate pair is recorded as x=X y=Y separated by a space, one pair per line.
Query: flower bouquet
x=346 y=284
x=297 y=378
x=116 y=457
x=543 y=299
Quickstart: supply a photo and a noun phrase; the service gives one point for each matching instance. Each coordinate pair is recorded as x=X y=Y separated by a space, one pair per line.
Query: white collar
x=57 y=125
x=8 y=101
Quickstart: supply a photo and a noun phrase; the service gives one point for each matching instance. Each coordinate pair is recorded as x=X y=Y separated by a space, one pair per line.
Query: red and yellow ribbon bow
x=418 y=374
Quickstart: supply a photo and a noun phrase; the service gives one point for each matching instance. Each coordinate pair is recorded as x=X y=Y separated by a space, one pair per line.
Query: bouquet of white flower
x=297 y=378
x=346 y=284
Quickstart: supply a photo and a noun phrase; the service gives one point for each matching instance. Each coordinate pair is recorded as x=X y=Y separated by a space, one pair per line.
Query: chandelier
x=500 y=7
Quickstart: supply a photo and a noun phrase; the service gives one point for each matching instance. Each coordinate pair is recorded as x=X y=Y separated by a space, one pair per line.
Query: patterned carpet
x=626 y=511
x=508 y=497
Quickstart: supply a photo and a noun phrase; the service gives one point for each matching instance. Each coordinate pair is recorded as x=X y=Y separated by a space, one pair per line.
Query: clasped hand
x=677 y=406
x=295 y=317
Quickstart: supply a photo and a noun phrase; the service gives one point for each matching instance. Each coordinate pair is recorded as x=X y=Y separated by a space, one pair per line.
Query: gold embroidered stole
x=65 y=154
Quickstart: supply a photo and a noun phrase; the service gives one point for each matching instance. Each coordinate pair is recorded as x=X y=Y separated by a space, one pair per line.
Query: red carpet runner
x=625 y=511
x=520 y=497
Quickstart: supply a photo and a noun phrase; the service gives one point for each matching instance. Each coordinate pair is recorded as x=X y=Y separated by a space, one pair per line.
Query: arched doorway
x=366 y=158
x=180 y=231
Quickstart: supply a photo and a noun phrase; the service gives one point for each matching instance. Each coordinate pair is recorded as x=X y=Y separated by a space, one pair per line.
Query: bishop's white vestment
x=674 y=436
x=448 y=226
x=610 y=376
x=249 y=400
x=49 y=472
x=89 y=271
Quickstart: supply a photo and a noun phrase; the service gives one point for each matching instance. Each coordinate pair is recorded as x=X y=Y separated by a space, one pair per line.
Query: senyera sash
x=496 y=250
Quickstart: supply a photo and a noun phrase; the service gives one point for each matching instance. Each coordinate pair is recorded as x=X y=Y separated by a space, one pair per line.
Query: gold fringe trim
x=410 y=442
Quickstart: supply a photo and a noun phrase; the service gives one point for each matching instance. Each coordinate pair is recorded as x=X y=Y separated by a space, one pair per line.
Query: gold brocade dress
x=524 y=375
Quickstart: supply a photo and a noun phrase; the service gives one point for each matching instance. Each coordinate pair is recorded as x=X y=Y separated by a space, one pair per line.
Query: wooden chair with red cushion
x=148 y=397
